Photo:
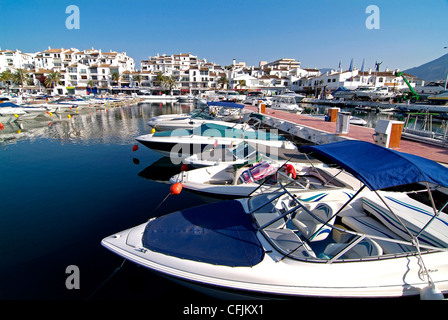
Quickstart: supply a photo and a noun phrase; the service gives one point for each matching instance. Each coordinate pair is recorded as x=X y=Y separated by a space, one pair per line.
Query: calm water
x=65 y=184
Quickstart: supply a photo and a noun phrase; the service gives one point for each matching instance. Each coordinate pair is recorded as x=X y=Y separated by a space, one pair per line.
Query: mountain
x=431 y=71
x=325 y=70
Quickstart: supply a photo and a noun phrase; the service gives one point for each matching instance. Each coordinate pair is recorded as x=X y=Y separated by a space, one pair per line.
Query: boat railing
x=357 y=237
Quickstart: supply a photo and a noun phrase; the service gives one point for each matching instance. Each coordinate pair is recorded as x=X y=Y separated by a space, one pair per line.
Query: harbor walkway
x=428 y=151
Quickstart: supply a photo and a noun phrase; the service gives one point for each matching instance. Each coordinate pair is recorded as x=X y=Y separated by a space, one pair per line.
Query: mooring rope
x=105 y=281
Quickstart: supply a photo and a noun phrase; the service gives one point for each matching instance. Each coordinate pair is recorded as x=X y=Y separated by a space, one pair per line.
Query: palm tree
x=159 y=79
x=5 y=77
x=116 y=77
x=169 y=82
x=53 y=79
x=223 y=81
x=90 y=85
x=137 y=78
x=20 y=77
x=241 y=83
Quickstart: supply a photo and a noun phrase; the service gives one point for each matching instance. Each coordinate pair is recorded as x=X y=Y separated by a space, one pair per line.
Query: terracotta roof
x=53 y=51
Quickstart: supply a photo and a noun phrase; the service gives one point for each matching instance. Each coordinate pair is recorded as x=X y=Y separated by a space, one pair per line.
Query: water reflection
x=371 y=117
x=119 y=125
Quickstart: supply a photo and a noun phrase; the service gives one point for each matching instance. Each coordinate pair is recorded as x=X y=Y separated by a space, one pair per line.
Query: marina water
x=68 y=181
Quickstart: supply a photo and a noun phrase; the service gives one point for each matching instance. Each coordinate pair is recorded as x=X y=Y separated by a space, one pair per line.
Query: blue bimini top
x=225 y=104
x=379 y=167
x=220 y=233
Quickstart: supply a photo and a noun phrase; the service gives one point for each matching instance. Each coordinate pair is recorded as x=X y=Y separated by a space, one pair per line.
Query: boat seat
x=364 y=249
x=371 y=226
x=289 y=242
x=414 y=215
x=308 y=225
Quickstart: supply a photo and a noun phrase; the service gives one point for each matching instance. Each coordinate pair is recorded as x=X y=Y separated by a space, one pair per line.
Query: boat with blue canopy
x=380 y=240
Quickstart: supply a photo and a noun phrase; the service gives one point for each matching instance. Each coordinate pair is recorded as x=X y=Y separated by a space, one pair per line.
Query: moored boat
x=225 y=180
x=181 y=143
x=288 y=102
x=374 y=242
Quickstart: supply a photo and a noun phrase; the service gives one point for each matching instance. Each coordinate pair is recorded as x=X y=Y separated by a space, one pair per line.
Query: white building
x=12 y=60
x=80 y=70
x=355 y=79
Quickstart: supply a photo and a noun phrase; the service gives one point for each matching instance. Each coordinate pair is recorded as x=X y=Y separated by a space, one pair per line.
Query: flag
x=362 y=67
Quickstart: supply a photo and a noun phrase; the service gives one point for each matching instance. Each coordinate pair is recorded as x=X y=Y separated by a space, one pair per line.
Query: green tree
x=20 y=77
x=137 y=78
x=223 y=81
x=241 y=83
x=169 y=83
x=159 y=79
x=90 y=85
x=53 y=79
x=116 y=77
x=6 y=77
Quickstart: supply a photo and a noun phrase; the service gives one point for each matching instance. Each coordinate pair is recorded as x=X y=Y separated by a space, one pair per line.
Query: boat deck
x=428 y=151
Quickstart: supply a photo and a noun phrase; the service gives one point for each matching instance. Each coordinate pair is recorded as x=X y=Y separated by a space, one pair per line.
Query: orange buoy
x=2 y=126
x=176 y=188
x=135 y=147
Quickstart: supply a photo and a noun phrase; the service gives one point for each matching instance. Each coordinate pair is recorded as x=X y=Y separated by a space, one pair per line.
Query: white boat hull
x=289 y=278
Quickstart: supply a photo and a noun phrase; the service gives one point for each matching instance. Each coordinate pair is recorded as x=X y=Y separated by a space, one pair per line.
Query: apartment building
x=11 y=60
x=193 y=75
x=80 y=70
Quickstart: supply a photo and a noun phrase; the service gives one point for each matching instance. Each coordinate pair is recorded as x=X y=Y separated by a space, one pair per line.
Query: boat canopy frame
x=371 y=184
x=357 y=236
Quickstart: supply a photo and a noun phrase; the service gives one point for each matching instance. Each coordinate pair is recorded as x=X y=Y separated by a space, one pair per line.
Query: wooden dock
x=321 y=131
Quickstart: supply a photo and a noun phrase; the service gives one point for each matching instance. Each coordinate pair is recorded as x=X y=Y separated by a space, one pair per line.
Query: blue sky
x=318 y=33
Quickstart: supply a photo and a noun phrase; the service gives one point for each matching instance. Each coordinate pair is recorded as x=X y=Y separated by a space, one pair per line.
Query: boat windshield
x=331 y=226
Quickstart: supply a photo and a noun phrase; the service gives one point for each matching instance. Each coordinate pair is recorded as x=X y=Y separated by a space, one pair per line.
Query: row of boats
x=12 y=110
x=345 y=219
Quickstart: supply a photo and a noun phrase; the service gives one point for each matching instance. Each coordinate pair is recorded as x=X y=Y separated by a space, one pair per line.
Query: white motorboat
x=255 y=98
x=381 y=93
x=186 y=98
x=325 y=243
x=343 y=93
x=353 y=120
x=65 y=105
x=10 y=112
x=225 y=180
x=147 y=96
x=364 y=92
x=219 y=113
x=181 y=143
x=357 y=121
x=236 y=155
x=288 y=102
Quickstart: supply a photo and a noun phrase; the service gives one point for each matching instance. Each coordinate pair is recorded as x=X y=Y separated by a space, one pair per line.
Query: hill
x=431 y=71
